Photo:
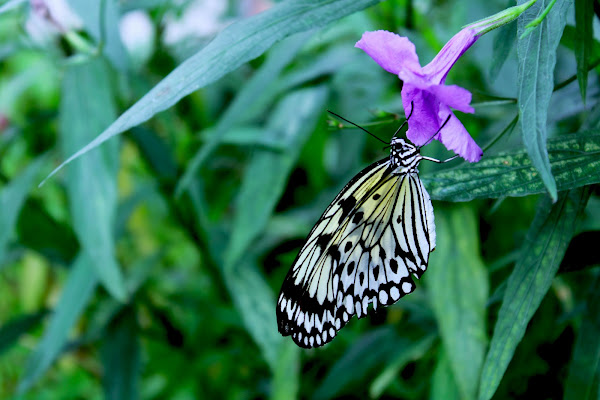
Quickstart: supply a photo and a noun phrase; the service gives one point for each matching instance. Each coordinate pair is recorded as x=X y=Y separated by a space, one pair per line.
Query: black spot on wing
x=351 y=267
x=347 y=205
x=376 y=272
x=358 y=217
x=323 y=240
x=394 y=266
x=348 y=246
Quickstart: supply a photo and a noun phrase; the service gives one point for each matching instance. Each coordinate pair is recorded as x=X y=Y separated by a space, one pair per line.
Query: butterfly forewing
x=378 y=230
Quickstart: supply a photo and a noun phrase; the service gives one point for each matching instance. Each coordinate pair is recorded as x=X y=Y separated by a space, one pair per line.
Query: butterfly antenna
x=436 y=133
x=356 y=125
x=412 y=107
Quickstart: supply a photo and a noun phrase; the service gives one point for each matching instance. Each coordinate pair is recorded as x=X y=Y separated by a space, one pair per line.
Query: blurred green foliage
x=148 y=267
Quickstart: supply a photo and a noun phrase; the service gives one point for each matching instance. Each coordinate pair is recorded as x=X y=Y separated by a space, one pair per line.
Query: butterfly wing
x=377 y=231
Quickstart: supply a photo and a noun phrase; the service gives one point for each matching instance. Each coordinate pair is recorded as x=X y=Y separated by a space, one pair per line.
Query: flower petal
x=424 y=121
x=456 y=138
x=392 y=52
x=438 y=68
x=454 y=96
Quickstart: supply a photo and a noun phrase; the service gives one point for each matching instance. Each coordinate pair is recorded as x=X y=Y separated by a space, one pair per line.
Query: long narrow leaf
x=12 y=197
x=13 y=329
x=546 y=243
x=584 y=14
x=584 y=371
x=266 y=176
x=365 y=355
x=444 y=386
x=537 y=57
x=76 y=293
x=121 y=358
x=255 y=302
x=255 y=90
x=458 y=288
x=286 y=376
x=87 y=105
x=237 y=44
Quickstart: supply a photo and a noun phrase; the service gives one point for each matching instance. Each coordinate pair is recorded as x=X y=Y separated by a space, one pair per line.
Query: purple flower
x=424 y=88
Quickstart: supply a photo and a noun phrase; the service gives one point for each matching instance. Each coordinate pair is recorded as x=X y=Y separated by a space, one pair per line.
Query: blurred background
x=149 y=267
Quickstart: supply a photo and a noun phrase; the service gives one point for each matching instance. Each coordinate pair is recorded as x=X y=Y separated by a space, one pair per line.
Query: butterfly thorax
x=404 y=156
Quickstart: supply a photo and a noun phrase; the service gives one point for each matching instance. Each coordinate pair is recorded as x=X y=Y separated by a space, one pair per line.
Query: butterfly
x=373 y=238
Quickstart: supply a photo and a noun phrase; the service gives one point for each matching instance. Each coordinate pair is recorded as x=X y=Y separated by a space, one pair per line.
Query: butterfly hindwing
x=377 y=231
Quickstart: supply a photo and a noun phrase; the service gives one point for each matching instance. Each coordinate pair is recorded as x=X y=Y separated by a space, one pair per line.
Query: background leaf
x=584 y=39
x=121 y=358
x=12 y=197
x=239 y=43
x=76 y=294
x=269 y=170
x=458 y=288
x=527 y=285
x=584 y=370
x=92 y=178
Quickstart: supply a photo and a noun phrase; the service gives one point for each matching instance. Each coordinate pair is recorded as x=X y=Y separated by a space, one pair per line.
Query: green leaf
x=286 y=375
x=266 y=176
x=537 y=57
x=101 y=20
x=583 y=381
x=405 y=355
x=542 y=252
x=12 y=197
x=240 y=42
x=121 y=358
x=41 y=232
x=372 y=350
x=504 y=42
x=12 y=330
x=569 y=38
x=458 y=287
x=584 y=40
x=443 y=385
x=260 y=89
x=75 y=295
x=156 y=152
x=87 y=106
x=573 y=158
x=255 y=302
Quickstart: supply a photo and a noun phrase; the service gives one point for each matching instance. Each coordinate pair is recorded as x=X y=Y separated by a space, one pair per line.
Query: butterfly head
x=404 y=156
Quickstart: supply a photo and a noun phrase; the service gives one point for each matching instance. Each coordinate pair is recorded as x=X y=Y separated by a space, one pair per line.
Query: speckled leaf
x=575 y=162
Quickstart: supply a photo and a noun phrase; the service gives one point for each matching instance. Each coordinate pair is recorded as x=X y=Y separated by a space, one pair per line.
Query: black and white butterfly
x=366 y=247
